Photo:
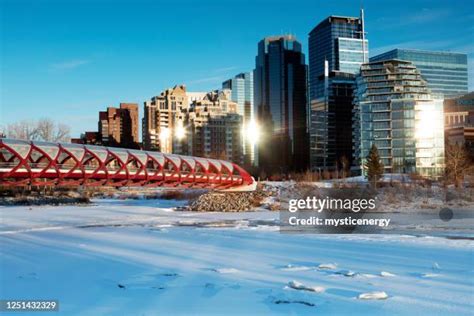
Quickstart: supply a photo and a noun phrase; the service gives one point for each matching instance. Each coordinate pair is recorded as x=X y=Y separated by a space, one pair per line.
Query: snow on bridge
x=64 y=164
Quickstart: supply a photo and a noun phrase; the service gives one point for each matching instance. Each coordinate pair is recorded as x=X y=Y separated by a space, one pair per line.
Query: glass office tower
x=330 y=137
x=396 y=112
x=281 y=103
x=241 y=87
x=341 y=42
x=445 y=72
x=337 y=49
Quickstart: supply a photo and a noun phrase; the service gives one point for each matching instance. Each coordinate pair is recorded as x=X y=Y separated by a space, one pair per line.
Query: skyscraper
x=241 y=87
x=337 y=49
x=331 y=116
x=445 y=72
x=397 y=113
x=341 y=42
x=281 y=103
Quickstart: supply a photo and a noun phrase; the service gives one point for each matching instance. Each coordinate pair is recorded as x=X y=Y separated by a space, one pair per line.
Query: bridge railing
x=42 y=163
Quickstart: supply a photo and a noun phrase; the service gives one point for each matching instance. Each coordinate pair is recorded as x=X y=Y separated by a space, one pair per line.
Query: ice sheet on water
x=368 y=275
x=291 y=267
x=430 y=275
x=347 y=273
x=327 y=266
x=300 y=286
x=135 y=256
x=225 y=270
x=373 y=296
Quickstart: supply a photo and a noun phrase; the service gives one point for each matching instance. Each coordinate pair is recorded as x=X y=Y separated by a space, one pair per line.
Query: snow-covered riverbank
x=141 y=257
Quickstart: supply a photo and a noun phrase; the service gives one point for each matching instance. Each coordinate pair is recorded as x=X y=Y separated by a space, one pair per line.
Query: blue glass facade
x=339 y=41
x=351 y=53
x=395 y=112
x=445 y=72
x=337 y=49
x=330 y=137
x=281 y=102
x=241 y=87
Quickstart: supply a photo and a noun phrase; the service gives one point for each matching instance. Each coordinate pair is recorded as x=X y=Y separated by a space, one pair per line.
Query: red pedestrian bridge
x=63 y=164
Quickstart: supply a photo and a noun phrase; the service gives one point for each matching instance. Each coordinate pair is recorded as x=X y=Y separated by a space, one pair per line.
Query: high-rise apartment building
x=396 y=112
x=215 y=128
x=194 y=123
x=159 y=127
x=118 y=127
x=281 y=102
x=241 y=87
x=337 y=49
x=195 y=96
x=445 y=72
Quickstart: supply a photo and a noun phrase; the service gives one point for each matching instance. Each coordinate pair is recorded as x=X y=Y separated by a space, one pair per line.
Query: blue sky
x=69 y=59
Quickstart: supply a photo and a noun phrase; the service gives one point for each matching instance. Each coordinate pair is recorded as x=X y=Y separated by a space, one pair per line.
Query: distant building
x=159 y=120
x=458 y=110
x=89 y=138
x=445 y=72
x=193 y=123
x=331 y=144
x=395 y=111
x=462 y=136
x=337 y=49
x=118 y=127
x=215 y=128
x=195 y=96
x=241 y=87
x=341 y=42
x=459 y=121
x=281 y=102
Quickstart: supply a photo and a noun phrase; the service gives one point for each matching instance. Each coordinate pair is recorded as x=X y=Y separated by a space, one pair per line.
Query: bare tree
x=458 y=163
x=26 y=130
x=62 y=133
x=43 y=129
x=345 y=166
x=46 y=129
x=3 y=131
x=50 y=131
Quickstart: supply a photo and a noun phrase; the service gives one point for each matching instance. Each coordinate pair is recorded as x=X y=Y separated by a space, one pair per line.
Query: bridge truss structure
x=39 y=163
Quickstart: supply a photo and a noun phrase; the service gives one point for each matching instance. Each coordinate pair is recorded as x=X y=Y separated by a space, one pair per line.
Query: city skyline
x=73 y=69
x=280 y=96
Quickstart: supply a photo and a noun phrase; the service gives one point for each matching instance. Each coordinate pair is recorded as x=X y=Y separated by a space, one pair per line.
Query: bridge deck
x=63 y=164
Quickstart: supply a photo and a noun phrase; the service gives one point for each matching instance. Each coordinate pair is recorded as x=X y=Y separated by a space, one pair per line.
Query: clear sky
x=69 y=59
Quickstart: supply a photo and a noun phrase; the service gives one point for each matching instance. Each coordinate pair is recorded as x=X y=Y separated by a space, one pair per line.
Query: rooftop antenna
x=363 y=33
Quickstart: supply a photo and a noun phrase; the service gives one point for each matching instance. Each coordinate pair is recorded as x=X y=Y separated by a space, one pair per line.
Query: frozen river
x=143 y=258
